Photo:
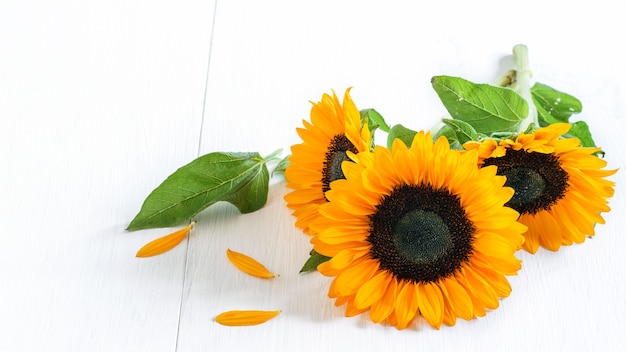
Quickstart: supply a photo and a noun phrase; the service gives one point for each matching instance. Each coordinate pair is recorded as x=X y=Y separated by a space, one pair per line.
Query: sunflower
x=418 y=231
x=334 y=130
x=560 y=187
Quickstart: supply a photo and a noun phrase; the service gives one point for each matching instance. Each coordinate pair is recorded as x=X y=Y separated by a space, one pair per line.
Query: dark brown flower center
x=420 y=234
x=335 y=155
x=537 y=178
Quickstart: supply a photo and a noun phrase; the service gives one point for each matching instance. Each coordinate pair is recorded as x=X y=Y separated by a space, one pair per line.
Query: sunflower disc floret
x=560 y=187
x=418 y=231
x=335 y=129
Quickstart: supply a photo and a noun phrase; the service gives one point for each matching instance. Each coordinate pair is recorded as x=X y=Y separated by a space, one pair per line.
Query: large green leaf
x=238 y=178
x=552 y=105
x=485 y=107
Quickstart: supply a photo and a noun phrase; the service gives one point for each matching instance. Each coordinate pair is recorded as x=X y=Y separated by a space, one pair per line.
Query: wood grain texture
x=259 y=91
x=100 y=102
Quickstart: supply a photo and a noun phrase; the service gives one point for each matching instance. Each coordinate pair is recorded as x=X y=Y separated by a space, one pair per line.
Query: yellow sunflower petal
x=532 y=235
x=459 y=299
x=334 y=130
x=350 y=280
x=552 y=132
x=480 y=289
x=352 y=309
x=342 y=260
x=392 y=319
x=571 y=233
x=449 y=316
x=383 y=262
x=495 y=245
x=508 y=265
x=248 y=265
x=551 y=236
x=246 y=317
x=431 y=304
x=165 y=243
x=574 y=192
x=382 y=308
x=406 y=305
x=371 y=291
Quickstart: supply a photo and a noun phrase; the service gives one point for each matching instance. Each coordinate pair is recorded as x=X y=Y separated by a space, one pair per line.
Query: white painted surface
x=100 y=102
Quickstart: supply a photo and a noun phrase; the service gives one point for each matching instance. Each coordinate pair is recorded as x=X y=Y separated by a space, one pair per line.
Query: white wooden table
x=99 y=102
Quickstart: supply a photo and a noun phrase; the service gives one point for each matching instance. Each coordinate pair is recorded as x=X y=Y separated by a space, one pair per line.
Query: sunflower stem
x=522 y=85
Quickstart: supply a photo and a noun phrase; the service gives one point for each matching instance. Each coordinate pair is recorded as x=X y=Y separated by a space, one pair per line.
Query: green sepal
x=402 y=133
x=241 y=179
x=553 y=106
x=485 y=107
x=314 y=260
x=374 y=120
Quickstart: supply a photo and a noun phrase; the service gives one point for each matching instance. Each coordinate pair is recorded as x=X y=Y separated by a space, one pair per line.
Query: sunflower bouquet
x=427 y=225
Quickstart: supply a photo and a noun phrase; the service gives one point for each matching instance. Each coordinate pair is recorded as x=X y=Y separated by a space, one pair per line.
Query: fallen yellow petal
x=246 y=317
x=248 y=265
x=165 y=243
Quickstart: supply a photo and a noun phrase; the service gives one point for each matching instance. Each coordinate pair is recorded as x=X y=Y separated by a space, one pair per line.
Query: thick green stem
x=522 y=85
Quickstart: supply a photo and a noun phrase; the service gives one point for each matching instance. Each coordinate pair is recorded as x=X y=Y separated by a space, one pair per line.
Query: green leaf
x=507 y=135
x=282 y=165
x=447 y=132
x=314 y=260
x=463 y=131
x=580 y=130
x=485 y=107
x=238 y=178
x=552 y=105
x=374 y=120
x=400 y=132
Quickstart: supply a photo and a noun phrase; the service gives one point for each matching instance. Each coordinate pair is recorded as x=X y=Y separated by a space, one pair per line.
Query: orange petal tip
x=165 y=243
x=246 y=317
x=248 y=265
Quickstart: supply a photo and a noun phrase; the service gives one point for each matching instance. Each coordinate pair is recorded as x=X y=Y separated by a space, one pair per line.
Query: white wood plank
x=269 y=58
x=99 y=102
